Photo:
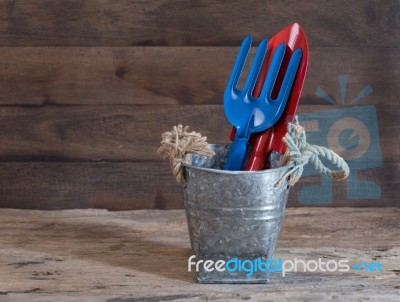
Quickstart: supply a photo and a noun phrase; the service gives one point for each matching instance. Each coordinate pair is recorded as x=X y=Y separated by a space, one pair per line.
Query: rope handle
x=299 y=152
x=177 y=144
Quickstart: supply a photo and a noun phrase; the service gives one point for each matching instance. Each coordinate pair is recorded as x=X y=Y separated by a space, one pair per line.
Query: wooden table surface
x=96 y=255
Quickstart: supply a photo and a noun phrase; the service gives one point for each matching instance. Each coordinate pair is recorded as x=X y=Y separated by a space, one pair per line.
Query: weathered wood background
x=86 y=88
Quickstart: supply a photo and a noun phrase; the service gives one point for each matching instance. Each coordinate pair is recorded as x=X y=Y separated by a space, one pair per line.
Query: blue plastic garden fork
x=248 y=114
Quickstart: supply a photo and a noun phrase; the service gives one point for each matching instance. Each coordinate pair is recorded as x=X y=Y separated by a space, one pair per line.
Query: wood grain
x=184 y=23
x=92 y=133
x=385 y=177
x=176 y=75
x=144 y=185
x=87 y=87
x=129 y=133
x=115 y=186
x=95 y=255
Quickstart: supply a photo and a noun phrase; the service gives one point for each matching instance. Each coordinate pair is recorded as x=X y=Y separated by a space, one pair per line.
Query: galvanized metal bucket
x=232 y=216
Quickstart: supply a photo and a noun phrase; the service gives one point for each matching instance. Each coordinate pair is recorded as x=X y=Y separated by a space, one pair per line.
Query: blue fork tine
x=272 y=75
x=255 y=68
x=239 y=65
x=290 y=75
x=273 y=109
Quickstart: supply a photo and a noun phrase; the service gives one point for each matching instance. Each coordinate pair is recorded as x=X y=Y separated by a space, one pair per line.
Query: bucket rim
x=229 y=172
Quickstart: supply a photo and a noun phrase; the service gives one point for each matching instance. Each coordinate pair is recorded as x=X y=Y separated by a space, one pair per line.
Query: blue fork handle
x=236 y=154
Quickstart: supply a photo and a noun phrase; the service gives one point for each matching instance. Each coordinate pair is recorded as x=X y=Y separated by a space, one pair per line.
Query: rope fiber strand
x=177 y=145
x=299 y=152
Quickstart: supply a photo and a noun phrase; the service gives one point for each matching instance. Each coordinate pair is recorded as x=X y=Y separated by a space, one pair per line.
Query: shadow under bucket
x=234 y=217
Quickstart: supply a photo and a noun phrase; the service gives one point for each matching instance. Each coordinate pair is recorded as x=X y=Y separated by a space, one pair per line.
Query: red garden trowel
x=264 y=142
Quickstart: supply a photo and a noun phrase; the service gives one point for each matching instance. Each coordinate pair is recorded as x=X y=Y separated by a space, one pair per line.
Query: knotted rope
x=299 y=152
x=178 y=144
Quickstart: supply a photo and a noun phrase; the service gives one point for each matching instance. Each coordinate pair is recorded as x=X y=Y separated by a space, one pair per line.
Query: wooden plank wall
x=86 y=88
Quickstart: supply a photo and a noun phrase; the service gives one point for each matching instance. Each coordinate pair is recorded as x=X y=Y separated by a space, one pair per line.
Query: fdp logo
x=352 y=132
